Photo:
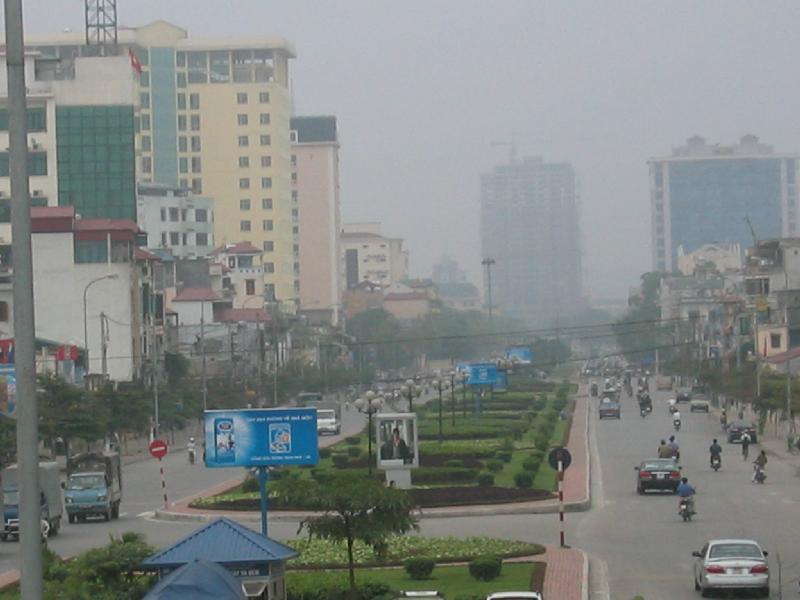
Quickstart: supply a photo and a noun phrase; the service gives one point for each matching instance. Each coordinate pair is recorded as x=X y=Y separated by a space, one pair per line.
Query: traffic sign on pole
x=560 y=458
x=158 y=449
x=559 y=455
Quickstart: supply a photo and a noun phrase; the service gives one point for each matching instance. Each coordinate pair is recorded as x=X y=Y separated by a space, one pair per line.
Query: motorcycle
x=643 y=411
x=685 y=509
x=677 y=424
x=716 y=463
x=760 y=476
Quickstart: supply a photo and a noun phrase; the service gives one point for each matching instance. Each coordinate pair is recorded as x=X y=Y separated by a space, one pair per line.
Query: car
x=609 y=408
x=731 y=565
x=737 y=428
x=683 y=395
x=663 y=474
x=515 y=596
x=328 y=422
x=426 y=594
x=699 y=405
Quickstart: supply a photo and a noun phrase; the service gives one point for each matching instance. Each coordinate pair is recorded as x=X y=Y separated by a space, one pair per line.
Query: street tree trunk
x=350 y=562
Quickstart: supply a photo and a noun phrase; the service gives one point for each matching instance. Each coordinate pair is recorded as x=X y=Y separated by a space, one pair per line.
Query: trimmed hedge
x=504 y=455
x=354 y=451
x=325 y=452
x=419 y=568
x=339 y=460
x=523 y=480
x=353 y=440
x=494 y=465
x=454 y=463
x=486 y=568
x=424 y=475
x=485 y=480
x=531 y=464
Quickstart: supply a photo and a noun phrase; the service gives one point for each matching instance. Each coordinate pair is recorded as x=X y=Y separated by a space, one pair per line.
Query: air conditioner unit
x=35 y=145
x=37 y=193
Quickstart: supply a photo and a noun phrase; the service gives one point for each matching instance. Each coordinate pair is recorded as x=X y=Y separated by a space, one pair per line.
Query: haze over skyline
x=422 y=90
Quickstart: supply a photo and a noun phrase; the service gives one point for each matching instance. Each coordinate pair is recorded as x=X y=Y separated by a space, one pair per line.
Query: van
x=328 y=422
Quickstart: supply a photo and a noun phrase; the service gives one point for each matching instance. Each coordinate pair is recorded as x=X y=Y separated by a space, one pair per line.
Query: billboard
x=522 y=355
x=261 y=437
x=397 y=440
x=482 y=374
x=502 y=381
x=8 y=389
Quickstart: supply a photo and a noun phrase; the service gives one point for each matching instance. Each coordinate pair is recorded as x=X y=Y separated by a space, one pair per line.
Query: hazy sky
x=422 y=89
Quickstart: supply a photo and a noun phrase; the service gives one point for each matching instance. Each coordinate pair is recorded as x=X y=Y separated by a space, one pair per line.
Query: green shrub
x=494 y=465
x=531 y=464
x=485 y=480
x=505 y=456
x=354 y=451
x=353 y=440
x=485 y=568
x=339 y=460
x=419 y=568
x=523 y=479
x=538 y=454
x=507 y=444
x=250 y=484
x=425 y=475
x=325 y=452
x=322 y=475
x=542 y=442
x=454 y=463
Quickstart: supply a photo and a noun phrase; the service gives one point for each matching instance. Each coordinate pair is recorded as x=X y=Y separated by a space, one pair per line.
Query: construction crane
x=752 y=231
x=101 y=24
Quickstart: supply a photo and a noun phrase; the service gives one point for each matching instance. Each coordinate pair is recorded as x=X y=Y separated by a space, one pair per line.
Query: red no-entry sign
x=158 y=449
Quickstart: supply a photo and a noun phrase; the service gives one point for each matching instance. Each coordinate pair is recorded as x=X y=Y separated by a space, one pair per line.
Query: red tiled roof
x=791 y=354
x=238 y=248
x=406 y=296
x=196 y=295
x=106 y=225
x=235 y=315
x=142 y=254
x=58 y=212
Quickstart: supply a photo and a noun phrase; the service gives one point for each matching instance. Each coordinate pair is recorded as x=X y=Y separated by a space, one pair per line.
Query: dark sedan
x=663 y=474
x=609 y=409
x=736 y=430
x=683 y=395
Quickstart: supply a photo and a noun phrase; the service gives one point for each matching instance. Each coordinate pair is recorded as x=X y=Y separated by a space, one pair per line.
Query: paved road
x=142 y=495
x=646 y=548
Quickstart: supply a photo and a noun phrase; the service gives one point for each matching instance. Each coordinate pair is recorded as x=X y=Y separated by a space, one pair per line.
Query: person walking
x=745 y=439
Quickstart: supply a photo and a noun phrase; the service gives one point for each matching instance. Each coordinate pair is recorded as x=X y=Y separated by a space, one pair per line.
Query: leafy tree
x=70 y=413
x=353 y=508
x=638 y=333
x=177 y=367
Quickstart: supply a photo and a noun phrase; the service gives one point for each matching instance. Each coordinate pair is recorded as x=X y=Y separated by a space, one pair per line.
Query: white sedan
x=731 y=565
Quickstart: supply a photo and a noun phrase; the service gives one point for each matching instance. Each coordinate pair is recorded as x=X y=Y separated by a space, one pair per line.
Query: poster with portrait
x=397 y=439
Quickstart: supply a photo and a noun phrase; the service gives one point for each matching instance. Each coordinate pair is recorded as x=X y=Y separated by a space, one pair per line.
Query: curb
x=585 y=577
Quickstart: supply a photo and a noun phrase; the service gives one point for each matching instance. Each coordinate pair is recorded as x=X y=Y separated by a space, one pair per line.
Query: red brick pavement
x=564 y=578
x=576 y=482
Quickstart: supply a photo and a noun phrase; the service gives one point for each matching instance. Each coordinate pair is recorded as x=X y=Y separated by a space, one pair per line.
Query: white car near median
x=328 y=422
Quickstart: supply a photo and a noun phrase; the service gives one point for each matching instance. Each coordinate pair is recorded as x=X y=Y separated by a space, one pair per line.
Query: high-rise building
x=706 y=193
x=211 y=115
x=530 y=228
x=371 y=257
x=315 y=158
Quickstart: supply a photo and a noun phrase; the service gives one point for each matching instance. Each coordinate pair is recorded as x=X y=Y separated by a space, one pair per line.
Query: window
x=196 y=166
x=241 y=98
x=266 y=203
x=144 y=79
x=91 y=251
x=163 y=214
x=266 y=182
x=163 y=238
x=197 y=64
x=184 y=239
x=182 y=145
x=294 y=195
x=263 y=118
x=183 y=182
x=181 y=122
x=195 y=143
x=294 y=177
x=244 y=162
x=269 y=246
x=201 y=239
x=146 y=143
x=269 y=267
x=181 y=101
x=173 y=214
x=241 y=119
x=37 y=119
x=775 y=340
x=295 y=212
x=147 y=164
x=266 y=161
x=180 y=80
x=245 y=261
x=183 y=165
x=200 y=215
x=180 y=59
x=244 y=183
x=220 y=66
x=174 y=238
x=197 y=186
x=790 y=171
x=194 y=101
x=145 y=122
x=294 y=160
x=250 y=287
x=244 y=204
x=263 y=97
x=265 y=140
x=267 y=225
x=195 y=122
x=144 y=100
x=244 y=141
x=244 y=225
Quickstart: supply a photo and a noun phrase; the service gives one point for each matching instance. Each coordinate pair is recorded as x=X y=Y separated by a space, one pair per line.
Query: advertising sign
x=502 y=381
x=482 y=374
x=8 y=389
x=397 y=440
x=261 y=437
x=522 y=355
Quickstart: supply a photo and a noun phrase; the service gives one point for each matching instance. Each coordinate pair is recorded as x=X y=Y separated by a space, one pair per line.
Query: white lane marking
x=146 y=514
x=122 y=515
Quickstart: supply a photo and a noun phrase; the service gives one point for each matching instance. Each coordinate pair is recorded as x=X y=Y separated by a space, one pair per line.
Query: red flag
x=137 y=66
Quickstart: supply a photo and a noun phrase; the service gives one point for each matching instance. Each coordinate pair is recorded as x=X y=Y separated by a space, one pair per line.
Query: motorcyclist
x=191 y=446
x=715 y=450
x=676 y=419
x=760 y=462
x=664 y=451
x=723 y=419
x=674 y=449
x=745 y=439
x=686 y=493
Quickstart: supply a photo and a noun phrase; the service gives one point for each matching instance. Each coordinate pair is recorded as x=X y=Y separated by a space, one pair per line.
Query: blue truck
x=94 y=486
x=50 y=497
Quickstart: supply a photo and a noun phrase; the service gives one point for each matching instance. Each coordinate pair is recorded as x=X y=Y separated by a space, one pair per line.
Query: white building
x=175 y=219
x=242 y=274
x=370 y=256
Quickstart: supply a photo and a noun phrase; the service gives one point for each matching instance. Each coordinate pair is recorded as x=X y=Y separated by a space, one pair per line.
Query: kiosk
x=398 y=447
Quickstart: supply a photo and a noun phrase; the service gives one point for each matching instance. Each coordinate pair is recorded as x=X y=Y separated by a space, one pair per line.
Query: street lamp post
x=440 y=385
x=453 y=396
x=370 y=404
x=464 y=377
x=410 y=390
x=85 y=320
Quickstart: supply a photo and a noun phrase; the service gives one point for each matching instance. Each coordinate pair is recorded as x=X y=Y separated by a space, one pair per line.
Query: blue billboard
x=482 y=374
x=502 y=381
x=520 y=354
x=261 y=437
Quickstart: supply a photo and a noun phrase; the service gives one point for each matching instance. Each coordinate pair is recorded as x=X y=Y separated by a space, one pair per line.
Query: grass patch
x=452 y=581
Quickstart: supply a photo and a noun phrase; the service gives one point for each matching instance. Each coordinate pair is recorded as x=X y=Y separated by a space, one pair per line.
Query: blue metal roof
x=197 y=580
x=222 y=541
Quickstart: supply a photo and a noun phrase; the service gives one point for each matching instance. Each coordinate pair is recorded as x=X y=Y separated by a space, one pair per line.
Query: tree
x=353 y=508
x=70 y=413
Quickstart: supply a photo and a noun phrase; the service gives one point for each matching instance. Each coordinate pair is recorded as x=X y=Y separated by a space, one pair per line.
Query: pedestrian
x=745 y=439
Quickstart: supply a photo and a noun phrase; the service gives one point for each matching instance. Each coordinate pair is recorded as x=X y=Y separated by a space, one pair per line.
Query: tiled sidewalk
x=565 y=578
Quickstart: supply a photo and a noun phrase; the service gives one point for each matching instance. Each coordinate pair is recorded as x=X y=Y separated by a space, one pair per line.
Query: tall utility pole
x=104 y=344
x=489 y=263
x=154 y=353
x=30 y=555
x=203 y=352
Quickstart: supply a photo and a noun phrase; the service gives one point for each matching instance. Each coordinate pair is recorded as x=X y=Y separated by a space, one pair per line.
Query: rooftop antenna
x=512 y=148
x=101 y=24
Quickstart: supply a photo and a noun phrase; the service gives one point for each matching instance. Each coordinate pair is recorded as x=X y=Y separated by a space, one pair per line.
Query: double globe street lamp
x=411 y=390
x=440 y=384
x=369 y=405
